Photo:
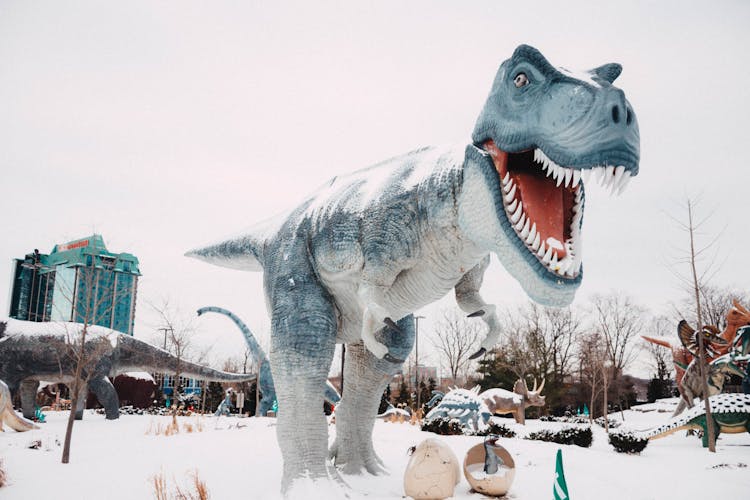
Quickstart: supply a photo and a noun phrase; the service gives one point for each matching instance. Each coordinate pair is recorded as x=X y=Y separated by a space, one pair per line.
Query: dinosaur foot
x=479 y=353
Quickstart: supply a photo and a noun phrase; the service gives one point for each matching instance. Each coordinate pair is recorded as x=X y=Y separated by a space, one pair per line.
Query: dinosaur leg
x=28 y=390
x=81 y=405
x=365 y=379
x=107 y=395
x=302 y=345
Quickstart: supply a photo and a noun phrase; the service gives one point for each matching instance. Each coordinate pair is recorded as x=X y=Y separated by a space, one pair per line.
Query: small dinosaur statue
x=501 y=401
x=737 y=317
x=464 y=405
x=8 y=416
x=31 y=352
x=731 y=414
x=353 y=261
x=692 y=387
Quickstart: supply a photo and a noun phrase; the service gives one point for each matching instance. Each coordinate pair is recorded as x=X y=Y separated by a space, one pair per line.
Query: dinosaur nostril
x=616 y=114
x=628 y=116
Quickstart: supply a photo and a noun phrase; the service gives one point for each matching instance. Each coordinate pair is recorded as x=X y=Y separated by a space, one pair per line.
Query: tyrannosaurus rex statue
x=354 y=260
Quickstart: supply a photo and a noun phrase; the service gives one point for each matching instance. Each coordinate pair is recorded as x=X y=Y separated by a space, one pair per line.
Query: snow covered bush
x=579 y=436
x=625 y=442
x=501 y=430
x=443 y=426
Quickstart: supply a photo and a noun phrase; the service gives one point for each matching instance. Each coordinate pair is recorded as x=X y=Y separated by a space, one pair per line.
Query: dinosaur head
x=547 y=130
x=531 y=397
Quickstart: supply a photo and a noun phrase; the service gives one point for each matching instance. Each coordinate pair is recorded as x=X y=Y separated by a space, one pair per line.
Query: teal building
x=79 y=281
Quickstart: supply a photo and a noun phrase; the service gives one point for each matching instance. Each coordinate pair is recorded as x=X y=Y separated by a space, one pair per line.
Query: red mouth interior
x=548 y=206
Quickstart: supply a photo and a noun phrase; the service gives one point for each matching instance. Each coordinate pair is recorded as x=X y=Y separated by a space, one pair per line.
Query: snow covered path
x=239 y=458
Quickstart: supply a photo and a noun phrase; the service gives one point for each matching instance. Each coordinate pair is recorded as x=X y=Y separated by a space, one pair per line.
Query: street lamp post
x=416 y=357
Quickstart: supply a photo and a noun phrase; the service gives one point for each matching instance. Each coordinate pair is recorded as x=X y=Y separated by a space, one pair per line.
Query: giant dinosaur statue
x=31 y=352
x=265 y=380
x=737 y=317
x=731 y=414
x=353 y=261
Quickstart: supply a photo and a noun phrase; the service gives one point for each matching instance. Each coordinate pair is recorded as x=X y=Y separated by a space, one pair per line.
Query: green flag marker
x=560 y=491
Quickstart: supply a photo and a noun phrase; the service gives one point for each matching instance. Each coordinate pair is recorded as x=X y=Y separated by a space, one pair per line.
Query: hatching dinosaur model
x=731 y=414
x=501 y=401
x=464 y=405
x=353 y=261
x=265 y=380
x=31 y=352
x=8 y=416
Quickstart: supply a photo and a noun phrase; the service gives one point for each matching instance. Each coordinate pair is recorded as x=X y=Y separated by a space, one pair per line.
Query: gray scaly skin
x=353 y=261
x=265 y=380
x=31 y=352
x=731 y=414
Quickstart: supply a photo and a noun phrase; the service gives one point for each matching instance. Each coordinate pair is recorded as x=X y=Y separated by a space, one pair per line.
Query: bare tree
x=178 y=332
x=91 y=303
x=696 y=282
x=595 y=370
x=455 y=339
x=619 y=320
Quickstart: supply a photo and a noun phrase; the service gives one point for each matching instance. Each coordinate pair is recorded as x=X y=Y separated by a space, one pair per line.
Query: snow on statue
x=353 y=261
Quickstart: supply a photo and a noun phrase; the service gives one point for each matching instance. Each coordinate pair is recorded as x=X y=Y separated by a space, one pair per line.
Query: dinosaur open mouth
x=544 y=203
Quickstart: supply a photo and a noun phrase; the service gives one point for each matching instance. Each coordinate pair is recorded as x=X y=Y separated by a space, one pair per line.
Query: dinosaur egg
x=432 y=471
x=496 y=484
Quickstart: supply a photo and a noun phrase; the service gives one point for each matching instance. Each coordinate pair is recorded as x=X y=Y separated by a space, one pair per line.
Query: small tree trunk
x=80 y=361
x=701 y=345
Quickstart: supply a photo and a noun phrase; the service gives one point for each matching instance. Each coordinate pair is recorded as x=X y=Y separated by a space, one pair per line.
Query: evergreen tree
x=403 y=394
x=385 y=399
x=494 y=371
x=214 y=396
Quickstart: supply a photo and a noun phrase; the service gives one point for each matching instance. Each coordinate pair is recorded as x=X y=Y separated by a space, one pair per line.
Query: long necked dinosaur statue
x=354 y=260
x=730 y=412
x=265 y=380
x=31 y=352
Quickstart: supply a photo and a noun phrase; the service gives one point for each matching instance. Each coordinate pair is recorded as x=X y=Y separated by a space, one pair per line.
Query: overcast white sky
x=166 y=125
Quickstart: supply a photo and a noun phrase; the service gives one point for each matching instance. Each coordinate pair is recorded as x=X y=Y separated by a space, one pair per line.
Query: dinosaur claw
x=476 y=314
x=478 y=353
x=393 y=326
x=392 y=359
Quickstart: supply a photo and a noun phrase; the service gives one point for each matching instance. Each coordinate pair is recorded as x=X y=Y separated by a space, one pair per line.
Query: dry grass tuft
x=3 y=476
x=158 y=429
x=160 y=486
x=197 y=491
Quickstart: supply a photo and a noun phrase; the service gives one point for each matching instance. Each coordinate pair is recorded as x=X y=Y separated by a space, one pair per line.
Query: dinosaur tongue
x=544 y=203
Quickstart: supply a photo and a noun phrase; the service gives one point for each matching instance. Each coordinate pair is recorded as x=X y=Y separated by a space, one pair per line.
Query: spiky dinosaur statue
x=731 y=414
x=8 y=416
x=353 y=261
x=501 y=401
x=464 y=405
x=692 y=386
x=737 y=317
x=31 y=352
x=265 y=380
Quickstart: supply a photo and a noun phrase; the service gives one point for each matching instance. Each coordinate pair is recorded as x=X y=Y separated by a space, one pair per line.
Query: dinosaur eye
x=521 y=80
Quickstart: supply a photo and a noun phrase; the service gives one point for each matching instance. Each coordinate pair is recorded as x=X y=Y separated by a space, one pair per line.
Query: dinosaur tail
x=661 y=342
x=18 y=424
x=8 y=416
x=243 y=252
x=136 y=355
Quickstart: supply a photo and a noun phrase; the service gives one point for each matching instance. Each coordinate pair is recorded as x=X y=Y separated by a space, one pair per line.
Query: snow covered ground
x=239 y=458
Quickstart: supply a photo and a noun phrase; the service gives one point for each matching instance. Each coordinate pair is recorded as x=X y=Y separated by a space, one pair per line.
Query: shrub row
x=625 y=442
x=579 y=436
x=452 y=427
